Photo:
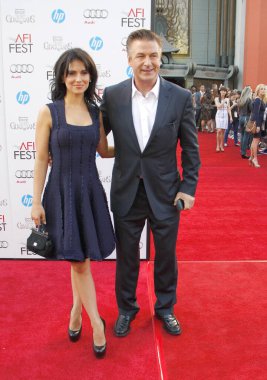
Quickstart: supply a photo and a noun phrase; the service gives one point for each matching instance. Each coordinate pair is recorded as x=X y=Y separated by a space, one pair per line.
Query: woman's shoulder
x=44 y=111
x=44 y=116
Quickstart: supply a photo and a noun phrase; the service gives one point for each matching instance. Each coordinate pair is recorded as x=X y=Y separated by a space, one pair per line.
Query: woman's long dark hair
x=220 y=96
x=61 y=69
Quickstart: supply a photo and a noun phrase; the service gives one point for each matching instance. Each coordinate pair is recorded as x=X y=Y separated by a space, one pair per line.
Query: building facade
x=213 y=41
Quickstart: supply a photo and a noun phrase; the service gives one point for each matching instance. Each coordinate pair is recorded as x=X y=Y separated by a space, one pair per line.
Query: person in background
x=197 y=100
x=74 y=206
x=193 y=90
x=148 y=117
x=206 y=109
x=235 y=119
x=214 y=93
x=244 y=107
x=223 y=113
x=257 y=114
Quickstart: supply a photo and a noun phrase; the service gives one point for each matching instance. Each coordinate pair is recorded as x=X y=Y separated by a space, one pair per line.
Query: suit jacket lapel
x=163 y=103
x=126 y=102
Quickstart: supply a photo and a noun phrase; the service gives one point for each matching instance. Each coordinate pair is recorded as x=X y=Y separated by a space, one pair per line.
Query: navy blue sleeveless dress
x=77 y=215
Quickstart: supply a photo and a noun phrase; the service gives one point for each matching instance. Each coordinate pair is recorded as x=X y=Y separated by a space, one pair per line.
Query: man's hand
x=188 y=200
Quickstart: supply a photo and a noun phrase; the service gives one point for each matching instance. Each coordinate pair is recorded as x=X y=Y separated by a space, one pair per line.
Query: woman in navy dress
x=74 y=206
x=257 y=115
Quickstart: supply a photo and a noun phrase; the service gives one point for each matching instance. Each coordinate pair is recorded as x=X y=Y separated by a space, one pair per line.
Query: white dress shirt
x=144 y=110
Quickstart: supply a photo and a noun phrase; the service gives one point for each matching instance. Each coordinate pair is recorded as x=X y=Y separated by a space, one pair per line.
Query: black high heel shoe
x=100 y=351
x=74 y=335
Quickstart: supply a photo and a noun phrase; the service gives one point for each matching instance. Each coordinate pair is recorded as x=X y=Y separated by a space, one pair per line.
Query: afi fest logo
x=26 y=200
x=50 y=74
x=23 y=44
x=58 y=16
x=100 y=89
x=96 y=43
x=23 y=97
x=2 y=222
x=26 y=151
x=135 y=18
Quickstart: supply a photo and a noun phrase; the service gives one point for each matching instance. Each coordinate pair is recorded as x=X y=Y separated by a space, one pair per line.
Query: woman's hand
x=38 y=214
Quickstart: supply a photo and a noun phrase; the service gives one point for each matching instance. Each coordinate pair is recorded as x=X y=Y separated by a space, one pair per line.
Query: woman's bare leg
x=254 y=149
x=76 y=311
x=85 y=288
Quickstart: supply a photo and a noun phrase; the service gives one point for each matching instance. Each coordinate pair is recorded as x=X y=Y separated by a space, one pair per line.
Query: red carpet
x=35 y=299
x=222 y=308
x=228 y=221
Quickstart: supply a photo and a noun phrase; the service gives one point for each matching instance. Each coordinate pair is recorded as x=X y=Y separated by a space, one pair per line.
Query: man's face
x=145 y=58
x=202 y=88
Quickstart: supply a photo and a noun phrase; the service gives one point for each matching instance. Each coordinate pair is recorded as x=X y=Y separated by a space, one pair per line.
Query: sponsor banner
x=6 y=232
x=34 y=34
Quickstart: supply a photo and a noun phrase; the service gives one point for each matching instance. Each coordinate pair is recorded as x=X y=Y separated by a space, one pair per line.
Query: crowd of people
x=226 y=112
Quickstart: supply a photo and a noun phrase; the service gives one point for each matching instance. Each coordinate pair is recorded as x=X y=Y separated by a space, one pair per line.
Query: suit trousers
x=128 y=231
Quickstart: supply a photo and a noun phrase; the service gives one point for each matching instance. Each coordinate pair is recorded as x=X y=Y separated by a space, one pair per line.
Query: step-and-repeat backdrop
x=33 y=34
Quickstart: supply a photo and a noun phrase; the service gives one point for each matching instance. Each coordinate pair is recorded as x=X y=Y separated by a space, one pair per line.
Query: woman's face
x=77 y=79
x=223 y=93
x=261 y=92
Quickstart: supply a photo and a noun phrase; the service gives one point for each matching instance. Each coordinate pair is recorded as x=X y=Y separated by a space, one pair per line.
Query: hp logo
x=96 y=43
x=129 y=71
x=23 y=97
x=58 y=16
x=26 y=200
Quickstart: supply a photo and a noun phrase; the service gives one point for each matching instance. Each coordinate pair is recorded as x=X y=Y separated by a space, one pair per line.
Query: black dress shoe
x=170 y=323
x=245 y=156
x=122 y=325
x=74 y=335
x=100 y=351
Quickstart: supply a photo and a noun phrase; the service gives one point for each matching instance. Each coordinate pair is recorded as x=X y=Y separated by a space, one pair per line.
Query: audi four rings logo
x=24 y=174
x=95 y=13
x=3 y=244
x=23 y=68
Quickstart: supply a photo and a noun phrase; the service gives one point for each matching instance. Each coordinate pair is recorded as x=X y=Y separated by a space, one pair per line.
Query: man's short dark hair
x=142 y=34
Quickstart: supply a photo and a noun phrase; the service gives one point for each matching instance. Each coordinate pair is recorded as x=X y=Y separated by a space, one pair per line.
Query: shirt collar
x=154 y=90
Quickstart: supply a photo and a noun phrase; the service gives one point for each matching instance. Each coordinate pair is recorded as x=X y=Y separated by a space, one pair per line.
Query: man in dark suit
x=148 y=116
x=198 y=96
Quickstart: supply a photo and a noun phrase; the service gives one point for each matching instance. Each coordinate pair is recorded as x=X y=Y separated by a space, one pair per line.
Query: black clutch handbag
x=40 y=243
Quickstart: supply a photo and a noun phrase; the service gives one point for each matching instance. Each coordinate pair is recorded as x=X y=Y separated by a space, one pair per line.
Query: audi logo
x=95 y=13
x=24 y=174
x=3 y=244
x=21 y=68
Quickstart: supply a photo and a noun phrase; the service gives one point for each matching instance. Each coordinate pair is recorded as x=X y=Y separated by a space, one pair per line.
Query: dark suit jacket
x=157 y=164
